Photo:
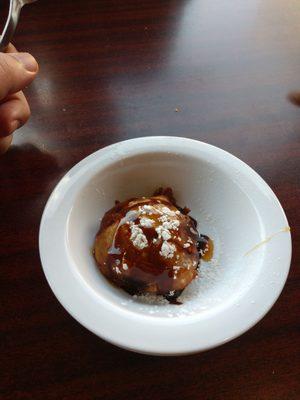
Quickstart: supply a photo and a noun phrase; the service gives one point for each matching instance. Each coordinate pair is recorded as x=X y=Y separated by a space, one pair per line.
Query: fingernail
x=26 y=59
x=15 y=125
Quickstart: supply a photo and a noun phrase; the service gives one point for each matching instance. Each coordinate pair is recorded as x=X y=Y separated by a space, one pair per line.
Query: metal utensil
x=12 y=21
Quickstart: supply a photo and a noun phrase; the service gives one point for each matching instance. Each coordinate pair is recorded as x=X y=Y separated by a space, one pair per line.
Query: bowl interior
x=218 y=200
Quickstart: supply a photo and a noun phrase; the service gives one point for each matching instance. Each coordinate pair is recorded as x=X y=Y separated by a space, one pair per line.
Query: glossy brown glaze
x=112 y=70
x=205 y=247
x=140 y=270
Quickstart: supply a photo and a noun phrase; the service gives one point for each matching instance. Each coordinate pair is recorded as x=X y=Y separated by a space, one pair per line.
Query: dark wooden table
x=112 y=70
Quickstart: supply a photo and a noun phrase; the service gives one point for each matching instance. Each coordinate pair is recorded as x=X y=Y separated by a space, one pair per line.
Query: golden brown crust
x=147 y=245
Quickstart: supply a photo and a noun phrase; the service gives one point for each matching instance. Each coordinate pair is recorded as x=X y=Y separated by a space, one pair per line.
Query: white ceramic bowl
x=232 y=204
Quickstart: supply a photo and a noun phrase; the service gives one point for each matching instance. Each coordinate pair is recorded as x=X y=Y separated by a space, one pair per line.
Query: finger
x=17 y=70
x=14 y=112
x=5 y=143
x=11 y=49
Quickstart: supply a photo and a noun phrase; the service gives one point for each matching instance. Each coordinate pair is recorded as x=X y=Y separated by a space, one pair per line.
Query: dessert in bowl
x=232 y=205
x=151 y=245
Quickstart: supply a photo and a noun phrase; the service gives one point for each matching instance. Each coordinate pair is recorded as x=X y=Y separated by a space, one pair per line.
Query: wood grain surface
x=112 y=70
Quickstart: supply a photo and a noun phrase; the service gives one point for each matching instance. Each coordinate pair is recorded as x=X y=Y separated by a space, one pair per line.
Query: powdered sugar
x=163 y=233
x=163 y=230
x=146 y=222
x=167 y=250
x=171 y=224
x=147 y=210
x=163 y=218
x=168 y=212
x=138 y=237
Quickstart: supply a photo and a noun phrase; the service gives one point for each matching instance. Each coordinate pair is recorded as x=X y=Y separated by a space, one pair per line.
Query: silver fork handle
x=11 y=23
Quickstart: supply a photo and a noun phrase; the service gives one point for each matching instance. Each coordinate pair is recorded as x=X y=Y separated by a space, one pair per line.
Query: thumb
x=17 y=70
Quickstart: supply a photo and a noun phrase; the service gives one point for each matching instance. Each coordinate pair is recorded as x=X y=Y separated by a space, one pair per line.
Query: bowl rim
x=140 y=333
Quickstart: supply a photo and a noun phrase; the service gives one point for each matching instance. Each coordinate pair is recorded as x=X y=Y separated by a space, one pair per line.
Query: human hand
x=17 y=70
